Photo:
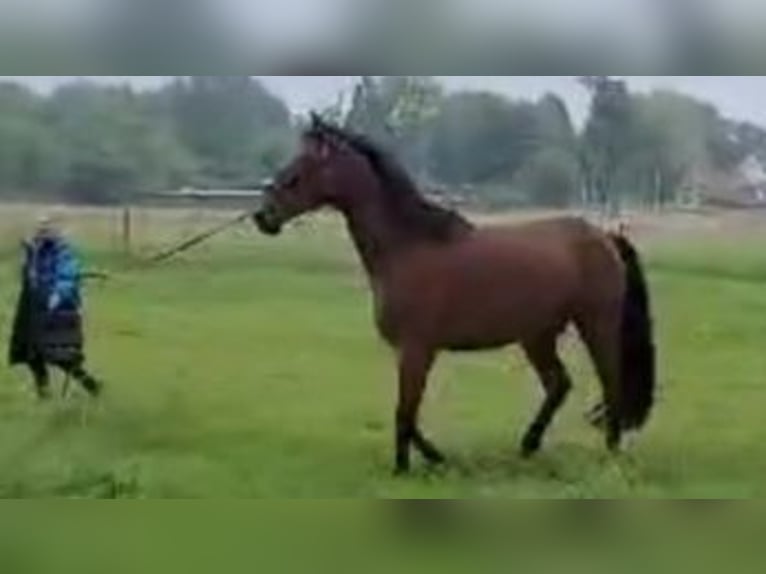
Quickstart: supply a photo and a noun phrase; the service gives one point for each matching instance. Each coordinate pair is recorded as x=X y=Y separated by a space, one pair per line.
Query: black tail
x=638 y=352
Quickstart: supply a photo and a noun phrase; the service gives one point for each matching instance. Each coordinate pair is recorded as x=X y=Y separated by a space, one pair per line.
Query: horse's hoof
x=402 y=467
x=435 y=458
x=436 y=469
x=530 y=447
x=528 y=454
x=614 y=443
x=401 y=472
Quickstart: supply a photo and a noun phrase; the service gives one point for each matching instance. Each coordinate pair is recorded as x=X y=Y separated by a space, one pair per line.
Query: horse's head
x=316 y=178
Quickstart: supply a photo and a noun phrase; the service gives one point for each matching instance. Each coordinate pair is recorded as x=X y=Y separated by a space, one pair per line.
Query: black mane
x=405 y=203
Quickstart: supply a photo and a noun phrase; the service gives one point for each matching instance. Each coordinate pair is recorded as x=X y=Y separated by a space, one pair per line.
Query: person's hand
x=54 y=301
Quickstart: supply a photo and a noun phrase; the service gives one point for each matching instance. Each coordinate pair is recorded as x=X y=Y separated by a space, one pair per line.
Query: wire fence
x=131 y=231
x=140 y=231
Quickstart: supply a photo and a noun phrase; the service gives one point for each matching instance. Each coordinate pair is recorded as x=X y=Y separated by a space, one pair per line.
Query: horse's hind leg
x=544 y=358
x=602 y=338
x=414 y=366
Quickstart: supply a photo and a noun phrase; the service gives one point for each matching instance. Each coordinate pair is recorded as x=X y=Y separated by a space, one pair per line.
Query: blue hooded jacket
x=53 y=273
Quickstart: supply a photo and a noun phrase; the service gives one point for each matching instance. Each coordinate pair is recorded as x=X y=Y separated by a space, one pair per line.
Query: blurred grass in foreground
x=420 y=537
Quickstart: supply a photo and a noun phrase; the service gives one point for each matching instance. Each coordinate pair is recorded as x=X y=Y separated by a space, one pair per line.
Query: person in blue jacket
x=48 y=325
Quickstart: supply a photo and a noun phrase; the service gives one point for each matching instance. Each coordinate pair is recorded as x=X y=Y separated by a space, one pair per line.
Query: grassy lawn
x=251 y=369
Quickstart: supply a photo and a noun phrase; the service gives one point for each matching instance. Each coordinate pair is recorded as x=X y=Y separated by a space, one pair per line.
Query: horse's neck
x=376 y=237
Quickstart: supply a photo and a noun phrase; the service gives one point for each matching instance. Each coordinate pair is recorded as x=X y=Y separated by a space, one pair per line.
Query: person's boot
x=92 y=386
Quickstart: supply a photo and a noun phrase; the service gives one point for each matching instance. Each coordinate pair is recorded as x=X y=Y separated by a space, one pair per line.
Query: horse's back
x=561 y=231
x=555 y=246
x=572 y=251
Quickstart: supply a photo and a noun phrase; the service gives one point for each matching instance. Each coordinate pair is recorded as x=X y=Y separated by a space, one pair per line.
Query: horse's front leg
x=415 y=362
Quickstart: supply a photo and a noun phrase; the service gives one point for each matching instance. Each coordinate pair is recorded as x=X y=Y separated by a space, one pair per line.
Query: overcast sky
x=740 y=97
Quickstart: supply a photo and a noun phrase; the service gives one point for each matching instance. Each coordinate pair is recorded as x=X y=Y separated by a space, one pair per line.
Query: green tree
x=113 y=147
x=675 y=135
x=607 y=140
x=671 y=133
x=397 y=112
x=482 y=138
x=369 y=113
x=555 y=124
x=552 y=176
x=30 y=160
x=238 y=130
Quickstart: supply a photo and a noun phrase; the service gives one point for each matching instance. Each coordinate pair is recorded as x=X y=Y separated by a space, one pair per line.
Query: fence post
x=127 y=231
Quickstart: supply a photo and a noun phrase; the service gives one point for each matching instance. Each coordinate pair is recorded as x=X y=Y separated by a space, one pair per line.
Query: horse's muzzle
x=267 y=224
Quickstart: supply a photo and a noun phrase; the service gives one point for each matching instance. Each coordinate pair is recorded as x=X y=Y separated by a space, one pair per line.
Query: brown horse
x=440 y=284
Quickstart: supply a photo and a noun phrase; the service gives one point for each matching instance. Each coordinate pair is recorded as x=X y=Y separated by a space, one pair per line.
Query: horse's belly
x=482 y=344
x=499 y=331
x=494 y=319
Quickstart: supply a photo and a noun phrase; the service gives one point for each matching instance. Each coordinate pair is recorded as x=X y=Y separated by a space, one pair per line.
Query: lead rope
x=192 y=242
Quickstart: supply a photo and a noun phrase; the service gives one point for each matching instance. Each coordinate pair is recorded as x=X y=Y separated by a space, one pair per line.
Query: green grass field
x=251 y=369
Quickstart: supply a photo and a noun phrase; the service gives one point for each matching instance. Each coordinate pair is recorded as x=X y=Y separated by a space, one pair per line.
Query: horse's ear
x=319 y=143
x=323 y=137
x=319 y=124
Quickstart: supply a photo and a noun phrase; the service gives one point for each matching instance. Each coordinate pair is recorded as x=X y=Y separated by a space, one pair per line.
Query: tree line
x=99 y=144
x=92 y=143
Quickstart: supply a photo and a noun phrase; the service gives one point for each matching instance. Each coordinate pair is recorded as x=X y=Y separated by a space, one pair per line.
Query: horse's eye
x=292 y=181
